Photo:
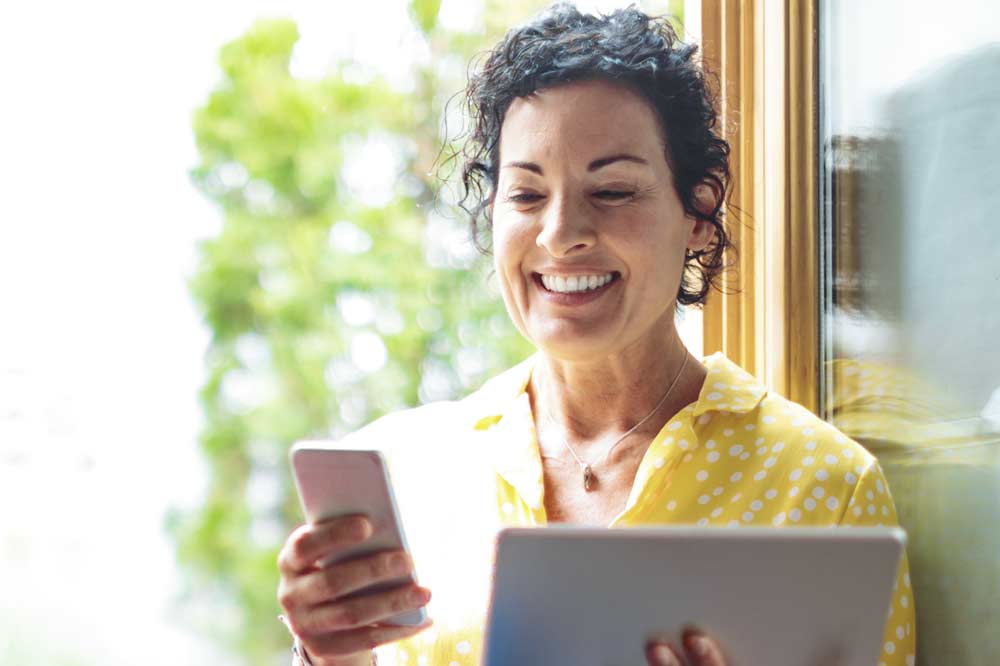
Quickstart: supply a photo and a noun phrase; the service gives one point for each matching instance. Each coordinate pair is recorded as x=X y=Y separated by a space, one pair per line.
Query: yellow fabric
x=737 y=456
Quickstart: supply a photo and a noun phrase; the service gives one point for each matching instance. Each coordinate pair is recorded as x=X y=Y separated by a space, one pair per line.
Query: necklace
x=589 y=478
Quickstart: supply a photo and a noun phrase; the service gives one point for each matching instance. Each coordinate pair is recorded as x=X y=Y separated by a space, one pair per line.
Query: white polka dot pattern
x=739 y=456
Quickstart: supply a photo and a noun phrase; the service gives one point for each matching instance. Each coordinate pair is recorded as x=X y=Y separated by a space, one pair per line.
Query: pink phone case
x=333 y=483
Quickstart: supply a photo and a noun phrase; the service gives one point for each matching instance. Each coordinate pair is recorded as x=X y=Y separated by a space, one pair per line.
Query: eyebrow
x=599 y=163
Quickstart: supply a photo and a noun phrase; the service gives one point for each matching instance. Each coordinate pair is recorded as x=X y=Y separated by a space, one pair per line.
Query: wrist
x=359 y=659
x=301 y=658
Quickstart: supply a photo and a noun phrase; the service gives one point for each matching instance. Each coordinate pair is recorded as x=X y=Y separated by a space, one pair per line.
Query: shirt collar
x=727 y=388
x=501 y=411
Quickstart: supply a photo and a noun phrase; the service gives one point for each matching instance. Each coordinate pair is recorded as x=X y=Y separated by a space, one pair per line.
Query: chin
x=573 y=348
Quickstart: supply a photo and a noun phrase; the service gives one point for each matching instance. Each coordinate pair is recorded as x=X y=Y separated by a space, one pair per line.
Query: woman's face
x=588 y=231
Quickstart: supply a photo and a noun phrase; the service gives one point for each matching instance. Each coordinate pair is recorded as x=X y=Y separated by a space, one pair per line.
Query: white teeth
x=575 y=283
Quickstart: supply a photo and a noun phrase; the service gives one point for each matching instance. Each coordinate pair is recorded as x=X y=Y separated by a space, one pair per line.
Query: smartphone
x=340 y=482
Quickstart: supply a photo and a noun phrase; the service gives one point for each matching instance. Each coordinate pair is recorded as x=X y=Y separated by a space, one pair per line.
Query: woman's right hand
x=333 y=630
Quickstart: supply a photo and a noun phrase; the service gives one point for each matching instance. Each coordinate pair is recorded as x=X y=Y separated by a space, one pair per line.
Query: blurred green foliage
x=328 y=305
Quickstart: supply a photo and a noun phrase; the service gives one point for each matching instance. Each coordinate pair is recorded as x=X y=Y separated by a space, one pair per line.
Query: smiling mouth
x=577 y=284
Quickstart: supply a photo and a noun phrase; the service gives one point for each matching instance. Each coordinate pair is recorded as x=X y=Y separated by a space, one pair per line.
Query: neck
x=593 y=402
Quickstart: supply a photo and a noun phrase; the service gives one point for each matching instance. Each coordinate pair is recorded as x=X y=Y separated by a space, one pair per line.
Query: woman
x=595 y=163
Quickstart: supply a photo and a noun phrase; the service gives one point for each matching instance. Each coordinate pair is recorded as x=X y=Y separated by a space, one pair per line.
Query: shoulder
x=443 y=420
x=809 y=438
x=398 y=431
x=777 y=442
x=821 y=468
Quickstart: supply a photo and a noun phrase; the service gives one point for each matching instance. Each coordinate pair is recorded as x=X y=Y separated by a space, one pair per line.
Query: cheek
x=657 y=252
x=506 y=258
x=500 y=230
x=509 y=241
x=501 y=249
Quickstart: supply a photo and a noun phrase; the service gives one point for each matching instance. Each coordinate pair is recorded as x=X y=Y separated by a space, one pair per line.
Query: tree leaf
x=425 y=13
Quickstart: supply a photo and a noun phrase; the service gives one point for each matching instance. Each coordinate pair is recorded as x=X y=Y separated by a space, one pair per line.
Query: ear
x=701 y=235
x=702 y=231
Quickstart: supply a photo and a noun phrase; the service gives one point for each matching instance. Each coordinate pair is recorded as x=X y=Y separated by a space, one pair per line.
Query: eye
x=524 y=197
x=614 y=195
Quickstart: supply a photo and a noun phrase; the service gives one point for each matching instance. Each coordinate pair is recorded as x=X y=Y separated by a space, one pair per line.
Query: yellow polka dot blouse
x=737 y=456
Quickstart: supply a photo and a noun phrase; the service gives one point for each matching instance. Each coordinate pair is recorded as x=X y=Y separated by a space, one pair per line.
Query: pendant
x=588 y=478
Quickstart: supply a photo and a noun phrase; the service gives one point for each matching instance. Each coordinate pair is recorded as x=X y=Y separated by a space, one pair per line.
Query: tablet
x=775 y=596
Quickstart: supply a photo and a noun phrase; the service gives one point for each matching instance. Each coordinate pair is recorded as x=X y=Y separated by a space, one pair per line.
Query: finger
x=363 y=639
x=361 y=611
x=702 y=650
x=340 y=580
x=310 y=543
x=660 y=654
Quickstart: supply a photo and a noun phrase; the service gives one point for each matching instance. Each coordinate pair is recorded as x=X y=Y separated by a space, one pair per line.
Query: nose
x=565 y=230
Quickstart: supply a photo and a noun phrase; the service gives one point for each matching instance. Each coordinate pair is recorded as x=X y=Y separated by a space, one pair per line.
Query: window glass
x=910 y=255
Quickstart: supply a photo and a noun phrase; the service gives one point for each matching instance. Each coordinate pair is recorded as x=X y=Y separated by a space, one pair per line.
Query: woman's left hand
x=698 y=650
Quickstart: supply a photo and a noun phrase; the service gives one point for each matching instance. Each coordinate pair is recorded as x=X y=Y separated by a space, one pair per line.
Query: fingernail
x=697 y=643
x=362 y=528
x=662 y=654
x=421 y=595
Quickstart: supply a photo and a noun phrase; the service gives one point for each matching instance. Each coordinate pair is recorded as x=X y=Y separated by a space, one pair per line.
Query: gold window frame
x=765 y=55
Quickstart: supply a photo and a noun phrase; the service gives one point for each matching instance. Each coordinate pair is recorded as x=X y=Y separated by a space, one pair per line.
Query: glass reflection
x=911 y=302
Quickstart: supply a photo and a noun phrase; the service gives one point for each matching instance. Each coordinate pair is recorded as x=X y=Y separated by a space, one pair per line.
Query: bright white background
x=100 y=345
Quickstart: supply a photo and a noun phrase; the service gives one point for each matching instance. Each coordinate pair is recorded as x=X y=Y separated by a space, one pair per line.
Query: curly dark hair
x=562 y=45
